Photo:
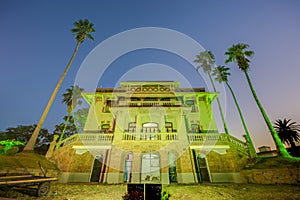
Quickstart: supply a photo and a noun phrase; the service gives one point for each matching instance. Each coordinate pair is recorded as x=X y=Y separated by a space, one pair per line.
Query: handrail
x=68 y=140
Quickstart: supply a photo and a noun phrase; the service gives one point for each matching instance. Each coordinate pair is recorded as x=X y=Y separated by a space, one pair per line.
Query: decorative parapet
x=147 y=103
x=92 y=139
x=88 y=139
x=218 y=139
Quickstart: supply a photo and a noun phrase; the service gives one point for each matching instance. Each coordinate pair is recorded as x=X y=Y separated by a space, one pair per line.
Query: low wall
x=271 y=176
x=8 y=171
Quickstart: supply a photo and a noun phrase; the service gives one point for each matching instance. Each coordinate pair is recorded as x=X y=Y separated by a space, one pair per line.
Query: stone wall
x=271 y=176
x=68 y=160
x=231 y=161
x=62 y=157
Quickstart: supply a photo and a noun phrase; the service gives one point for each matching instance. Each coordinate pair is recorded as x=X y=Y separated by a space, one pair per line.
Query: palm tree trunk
x=65 y=127
x=281 y=150
x=219 y=104
x=252 y=151
x=294 y=149
x=31 y=143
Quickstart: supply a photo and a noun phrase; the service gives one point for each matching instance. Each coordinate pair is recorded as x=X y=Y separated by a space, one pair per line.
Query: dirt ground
x=178 y=192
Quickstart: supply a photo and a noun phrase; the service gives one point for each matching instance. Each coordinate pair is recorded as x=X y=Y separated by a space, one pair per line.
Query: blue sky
x=36 y=45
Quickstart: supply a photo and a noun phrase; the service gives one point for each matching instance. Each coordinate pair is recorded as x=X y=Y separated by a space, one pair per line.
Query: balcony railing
x=194 y=139
x=88 y=139
x=150 y=136
x=219 y=139
x=147 y=103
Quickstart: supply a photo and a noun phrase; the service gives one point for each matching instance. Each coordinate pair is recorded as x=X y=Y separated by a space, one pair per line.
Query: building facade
x=150 y=132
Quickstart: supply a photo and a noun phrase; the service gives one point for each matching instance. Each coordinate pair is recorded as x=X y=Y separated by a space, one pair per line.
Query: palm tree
x=80 y=117
x=239 y=55
x=288 y=132
x=71 y=98
x=207 y=60
x=82 y=29
x=221 y=74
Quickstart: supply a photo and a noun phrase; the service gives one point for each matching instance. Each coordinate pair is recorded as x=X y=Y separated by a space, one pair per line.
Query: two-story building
x=150 y=132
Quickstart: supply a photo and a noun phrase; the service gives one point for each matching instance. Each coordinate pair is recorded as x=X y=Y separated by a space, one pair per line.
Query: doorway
x=97 y=169
x=202 y=170
x=150 y=168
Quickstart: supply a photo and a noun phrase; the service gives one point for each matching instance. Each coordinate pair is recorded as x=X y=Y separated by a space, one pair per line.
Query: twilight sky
x=36 y=44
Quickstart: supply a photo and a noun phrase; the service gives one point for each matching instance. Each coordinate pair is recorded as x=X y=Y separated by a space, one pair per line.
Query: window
x=150 y=127
x=172 y=168
x=150 y=167
x=128 y=168
x=195 y=128
x=169 y=127
x=131 y=127
x=105 y=128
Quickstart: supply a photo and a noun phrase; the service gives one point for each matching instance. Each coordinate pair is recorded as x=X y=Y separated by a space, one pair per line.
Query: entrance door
x=150 y=168
x=97 y=167
x=201 y=167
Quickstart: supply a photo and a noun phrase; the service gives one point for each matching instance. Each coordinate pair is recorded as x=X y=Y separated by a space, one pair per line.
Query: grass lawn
x=179 y=192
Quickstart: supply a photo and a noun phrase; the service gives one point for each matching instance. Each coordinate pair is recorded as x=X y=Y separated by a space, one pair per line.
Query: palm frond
x=238 y=54
x=206 y=60
x=221 y=74
x=82 y=29
x=72 y=97
x=287 y=131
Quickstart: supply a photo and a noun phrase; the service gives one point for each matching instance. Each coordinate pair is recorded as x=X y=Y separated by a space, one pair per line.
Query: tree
x=288 y=132
x=239 y=55
x=82 y=29
x=69 y=130
x=22 y=133
x=207 y=60
x=80 y=117
x=71 y=98
x=221 y=74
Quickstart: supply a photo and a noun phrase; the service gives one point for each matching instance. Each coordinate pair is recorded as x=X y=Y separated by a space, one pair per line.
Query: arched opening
x=128 y=168
x=150 y=167
x=172 y=168
x=150 y=130
x=150 y=127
